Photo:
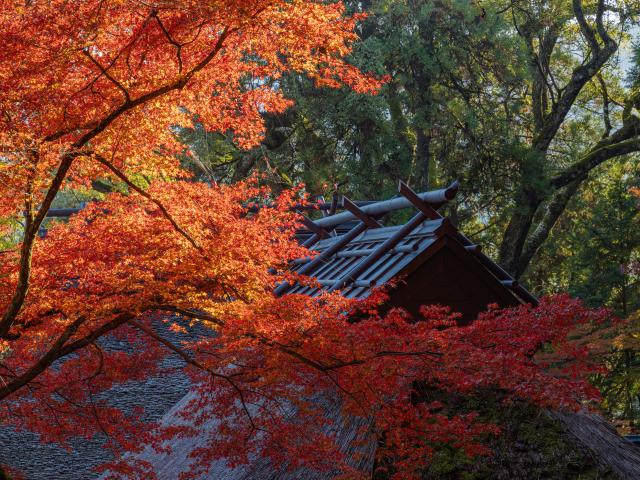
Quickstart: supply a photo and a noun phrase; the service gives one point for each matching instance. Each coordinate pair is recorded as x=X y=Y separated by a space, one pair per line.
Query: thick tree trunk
x=553 y=210
x=551 y=106
x=515 y=235
x=533 y=190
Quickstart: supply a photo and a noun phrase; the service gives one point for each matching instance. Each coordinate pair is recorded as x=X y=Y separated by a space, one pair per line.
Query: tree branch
x=105 y=72
x=554 y=210
x=170 y=39
x=44 y=362
x=623 y=141
x=191 y=361
x=192 y=314
x=605 y=105
x=585 y=28
x=59 y=350
x=65 y=164
x=599 y=55
x=118 y=173
x=26 y=250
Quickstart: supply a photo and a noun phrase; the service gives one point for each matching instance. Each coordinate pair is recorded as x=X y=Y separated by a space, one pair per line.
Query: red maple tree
x=91 y=89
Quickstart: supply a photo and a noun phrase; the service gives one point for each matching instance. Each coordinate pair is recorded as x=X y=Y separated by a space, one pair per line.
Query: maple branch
x=45 y=361
x=383 y=354
x=174 y=348
x=117 y=172
x=59 y=350
x=99 y=422
x=327 y=368
x=178 y=46
x=191 y=361
x=65 y=164
x=105 y=72
x=192 y=314
x=177 y=84
x=26 y=250
x=293 y=353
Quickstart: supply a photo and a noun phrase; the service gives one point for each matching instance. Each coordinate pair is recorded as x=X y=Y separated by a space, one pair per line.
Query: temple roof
x=355 y=252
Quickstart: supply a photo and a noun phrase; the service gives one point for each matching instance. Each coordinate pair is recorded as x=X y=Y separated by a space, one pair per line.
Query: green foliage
x=596 y=241
x=427 y=126
x=633 y=77
x=212 y=154
x=621 y=389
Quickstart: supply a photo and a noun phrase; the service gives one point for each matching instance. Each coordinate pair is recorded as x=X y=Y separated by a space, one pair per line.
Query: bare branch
x=586 y=29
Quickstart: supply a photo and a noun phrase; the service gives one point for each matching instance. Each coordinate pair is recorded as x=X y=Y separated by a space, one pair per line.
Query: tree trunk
x=554 y=209
x=550 y=109
x=513 y=240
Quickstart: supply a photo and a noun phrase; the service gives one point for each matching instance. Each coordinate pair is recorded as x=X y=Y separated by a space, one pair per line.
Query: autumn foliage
x=121 y=267
x=267 y=357
x=93 y=89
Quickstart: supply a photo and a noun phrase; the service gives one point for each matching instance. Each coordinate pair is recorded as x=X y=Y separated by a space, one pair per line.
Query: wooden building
x=356 y=247
x=429 y=262
x=428 y=258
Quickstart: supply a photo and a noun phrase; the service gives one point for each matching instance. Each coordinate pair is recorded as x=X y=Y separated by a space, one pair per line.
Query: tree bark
x=518 y=228
x=553 y=211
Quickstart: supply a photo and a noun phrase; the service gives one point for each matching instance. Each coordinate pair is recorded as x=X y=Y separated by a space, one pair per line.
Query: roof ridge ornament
x=425 y=212
x=406 y=191
x=370 y=221
x=434 y=198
